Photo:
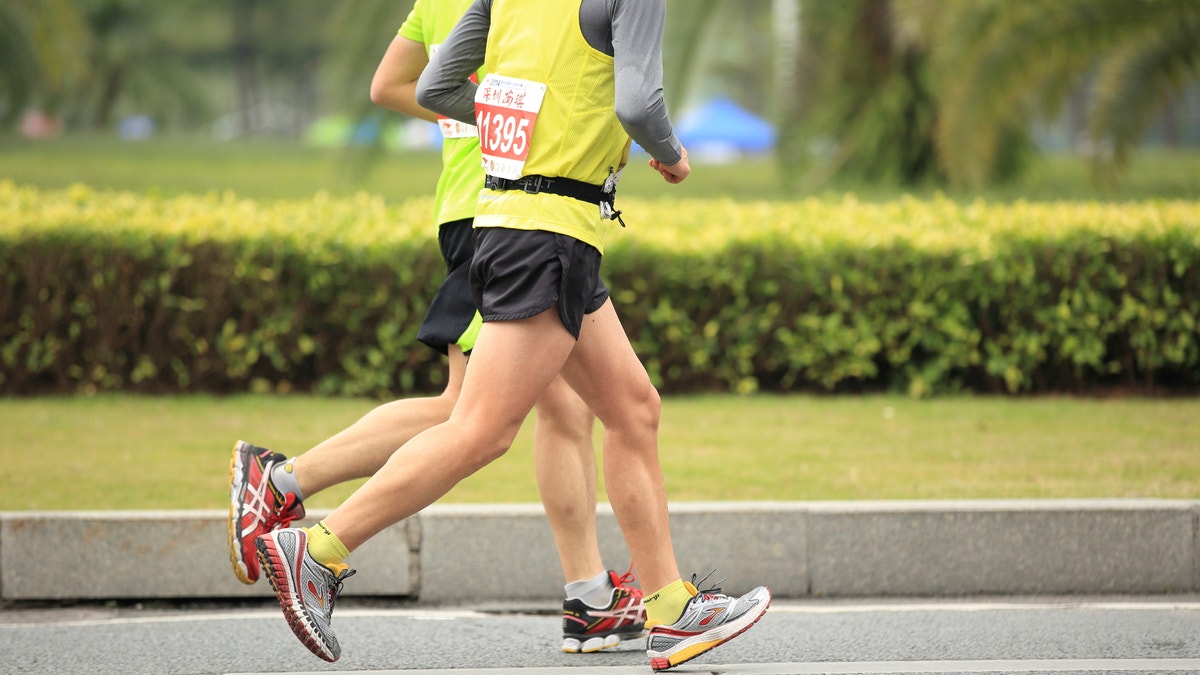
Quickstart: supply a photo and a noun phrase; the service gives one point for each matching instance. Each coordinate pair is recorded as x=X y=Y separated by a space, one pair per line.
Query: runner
x=567 y=84
x=601 y=608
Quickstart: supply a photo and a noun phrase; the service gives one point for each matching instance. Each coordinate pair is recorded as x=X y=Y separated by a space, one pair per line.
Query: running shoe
x=588 y=629
x=709 y=619
x=306 y=589
x=255 y=506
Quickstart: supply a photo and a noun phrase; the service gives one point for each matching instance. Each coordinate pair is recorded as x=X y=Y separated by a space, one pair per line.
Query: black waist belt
x=563 y=187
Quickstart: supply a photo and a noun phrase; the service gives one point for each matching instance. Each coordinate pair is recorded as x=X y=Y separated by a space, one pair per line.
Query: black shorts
x=452 y=311
x=517 y=274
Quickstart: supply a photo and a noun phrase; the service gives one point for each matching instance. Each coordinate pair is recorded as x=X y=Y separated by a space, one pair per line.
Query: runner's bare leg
x=525 y=357
x=566 y=475
x=362 y=448
x=607 y=374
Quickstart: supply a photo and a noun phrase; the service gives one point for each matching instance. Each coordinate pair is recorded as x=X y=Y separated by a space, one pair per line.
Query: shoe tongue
x=691 y=589
x=292 y=506
x=336 y=568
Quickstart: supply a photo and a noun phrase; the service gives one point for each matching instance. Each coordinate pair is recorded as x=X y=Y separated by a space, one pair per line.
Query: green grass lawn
x=132 y=452
x=271 y=170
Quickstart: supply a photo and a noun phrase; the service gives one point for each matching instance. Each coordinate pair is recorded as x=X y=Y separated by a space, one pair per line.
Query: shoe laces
x=627 y=578
x=624 y=581
x=289 y=509
x=335 y=585
x=707 y=593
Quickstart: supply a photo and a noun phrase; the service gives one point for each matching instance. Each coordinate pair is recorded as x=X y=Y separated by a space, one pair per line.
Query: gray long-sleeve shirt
x=628 y=30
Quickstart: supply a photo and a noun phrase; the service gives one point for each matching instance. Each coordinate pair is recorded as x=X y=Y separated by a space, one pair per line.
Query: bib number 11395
x=506 y=109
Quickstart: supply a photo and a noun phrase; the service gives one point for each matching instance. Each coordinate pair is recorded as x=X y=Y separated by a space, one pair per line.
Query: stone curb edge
x=488 y=552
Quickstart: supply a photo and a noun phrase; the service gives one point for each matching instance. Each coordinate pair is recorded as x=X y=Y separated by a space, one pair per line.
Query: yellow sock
x=666 y=605
x=326 y=548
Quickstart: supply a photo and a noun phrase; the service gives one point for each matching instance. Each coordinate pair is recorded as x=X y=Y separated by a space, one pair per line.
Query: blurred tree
x=132 y=58
x=82 y=58
x=178 y=61
x=715 y=48
x=788 y=78
x=689 y=23
x=847 y=83
x=908 y=91
x=276 y=51
x=361 y=31
x=41 y=47
x=998 y=61
x=245 y=64
x=867 y=95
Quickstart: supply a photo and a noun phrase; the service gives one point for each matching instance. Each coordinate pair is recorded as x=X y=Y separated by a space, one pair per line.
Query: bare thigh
x=607 y=374
x=511 y=366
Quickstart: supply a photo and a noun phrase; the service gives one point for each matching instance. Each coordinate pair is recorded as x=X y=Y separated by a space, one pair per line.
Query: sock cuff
x=325 y=547
x=283 y=477
x=666 y=605
x=666 y=591
x=594 y=592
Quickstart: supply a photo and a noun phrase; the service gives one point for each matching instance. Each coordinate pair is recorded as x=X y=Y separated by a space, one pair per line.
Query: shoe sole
x=661 y=663
x=293 y=608
x=240 y=569
x=572 y=645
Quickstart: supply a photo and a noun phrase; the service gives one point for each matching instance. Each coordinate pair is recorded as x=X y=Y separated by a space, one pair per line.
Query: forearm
x=637 y=35
x=401 y=98
x=395 y=82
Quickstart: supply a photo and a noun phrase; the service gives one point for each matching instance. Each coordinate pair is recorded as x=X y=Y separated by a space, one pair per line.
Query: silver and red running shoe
x=710 y=619
x=588 y=629
x=305 y=588
x=255 y=506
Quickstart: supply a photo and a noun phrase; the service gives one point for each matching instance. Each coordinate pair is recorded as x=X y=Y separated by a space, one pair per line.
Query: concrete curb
x=479 y=553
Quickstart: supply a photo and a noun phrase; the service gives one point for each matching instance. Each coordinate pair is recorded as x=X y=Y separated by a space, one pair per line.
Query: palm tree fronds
x=1135 y=82
x=997 y=57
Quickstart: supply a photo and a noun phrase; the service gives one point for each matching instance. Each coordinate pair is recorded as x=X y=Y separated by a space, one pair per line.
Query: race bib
x=452 y=128
x=506 y=109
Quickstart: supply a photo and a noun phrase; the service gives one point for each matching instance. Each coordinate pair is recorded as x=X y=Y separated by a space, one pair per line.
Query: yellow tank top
x=576 y=134
x=461 y=180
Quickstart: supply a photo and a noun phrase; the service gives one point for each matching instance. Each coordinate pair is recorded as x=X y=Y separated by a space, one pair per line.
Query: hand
x=674 y=173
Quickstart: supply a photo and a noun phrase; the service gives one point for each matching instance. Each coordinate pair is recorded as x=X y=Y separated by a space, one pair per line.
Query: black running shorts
x=517 y=274
x=452 y=311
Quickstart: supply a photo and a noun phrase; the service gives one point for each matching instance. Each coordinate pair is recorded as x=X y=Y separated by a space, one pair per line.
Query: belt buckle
x=534 y=184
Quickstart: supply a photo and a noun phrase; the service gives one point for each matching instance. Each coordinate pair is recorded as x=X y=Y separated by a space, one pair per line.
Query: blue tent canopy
x=721 y=122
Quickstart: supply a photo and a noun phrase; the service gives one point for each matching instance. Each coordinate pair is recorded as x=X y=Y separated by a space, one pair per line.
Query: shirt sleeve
x=637 y=35
x=445 y=86
x=412 y=27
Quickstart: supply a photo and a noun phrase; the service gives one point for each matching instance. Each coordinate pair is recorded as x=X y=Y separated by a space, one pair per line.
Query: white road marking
x=844 y=668
x=452 y=614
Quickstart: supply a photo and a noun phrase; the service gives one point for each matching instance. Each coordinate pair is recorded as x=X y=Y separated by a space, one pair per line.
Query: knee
x=482 y=455
x=652 y=406
x=445 y=402
x=642 y=411
x=566 y=417
x=485 y=445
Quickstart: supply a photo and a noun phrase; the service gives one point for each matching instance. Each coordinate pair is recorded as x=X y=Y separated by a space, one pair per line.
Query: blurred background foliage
x=912 y=93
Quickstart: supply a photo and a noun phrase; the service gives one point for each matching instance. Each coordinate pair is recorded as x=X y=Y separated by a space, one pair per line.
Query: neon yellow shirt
x=576 y=135
x=462 y=176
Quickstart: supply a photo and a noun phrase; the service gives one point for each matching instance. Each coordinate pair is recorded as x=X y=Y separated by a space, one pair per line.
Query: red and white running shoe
x=589 y=629
x=255 y=506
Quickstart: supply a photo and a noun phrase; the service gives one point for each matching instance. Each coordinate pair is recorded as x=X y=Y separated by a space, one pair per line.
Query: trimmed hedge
x=107 y=291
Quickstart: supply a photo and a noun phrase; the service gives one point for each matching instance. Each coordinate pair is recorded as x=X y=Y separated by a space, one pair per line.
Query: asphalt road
x=1006 y=635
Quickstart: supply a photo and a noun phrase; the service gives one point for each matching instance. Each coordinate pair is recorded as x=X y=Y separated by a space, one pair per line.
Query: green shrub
x=105 y=291
x=918 y=296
